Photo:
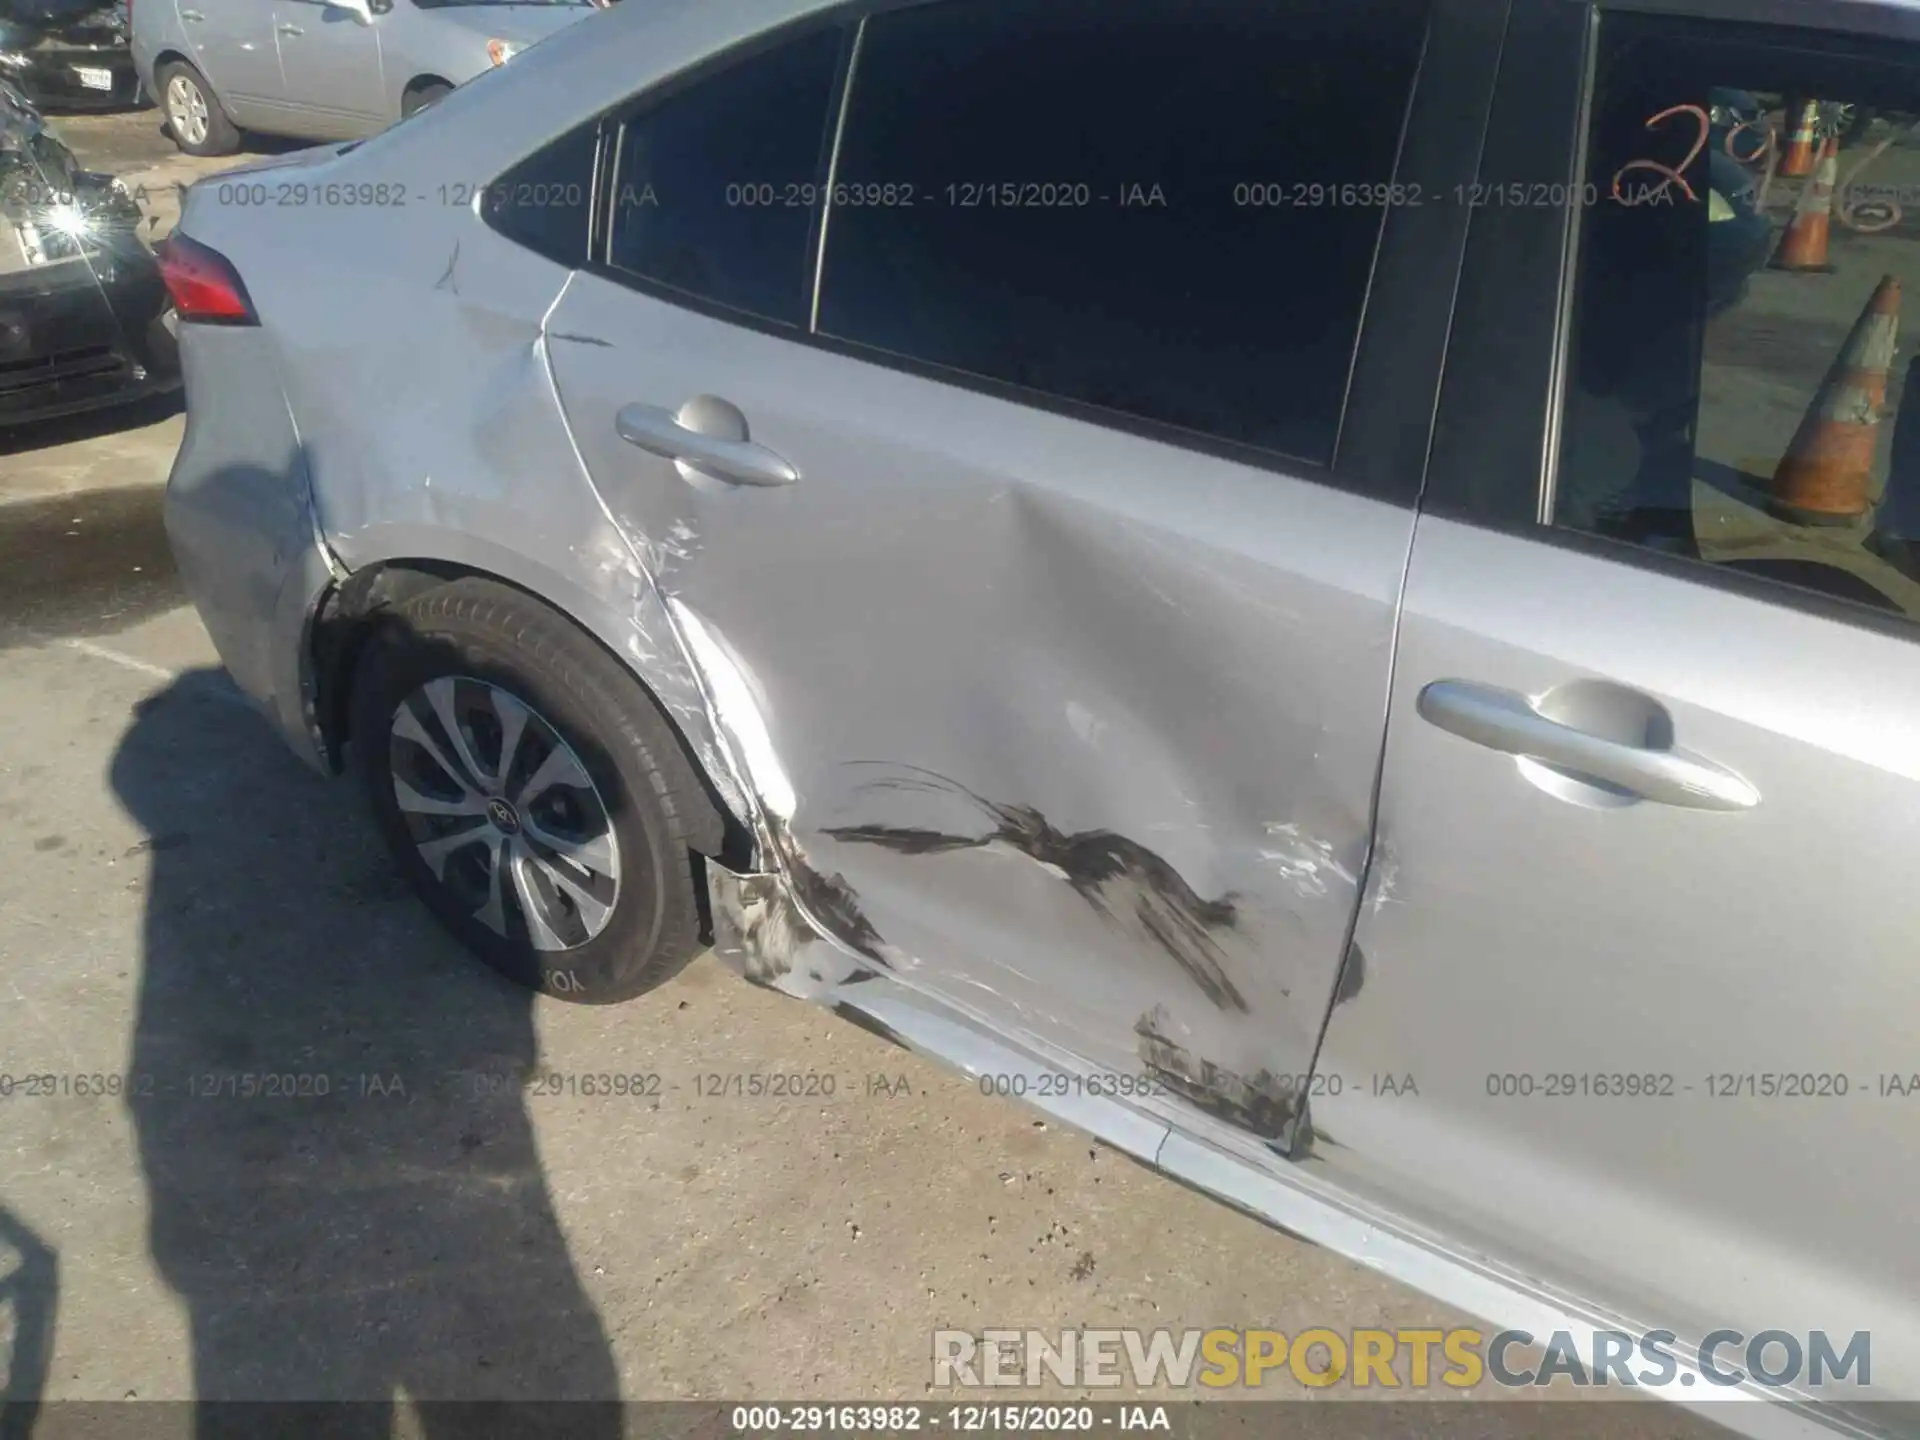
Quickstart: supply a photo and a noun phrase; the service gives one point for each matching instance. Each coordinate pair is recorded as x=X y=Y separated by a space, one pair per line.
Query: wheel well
x=421 y=82
x=352 y=614
x=175 y=57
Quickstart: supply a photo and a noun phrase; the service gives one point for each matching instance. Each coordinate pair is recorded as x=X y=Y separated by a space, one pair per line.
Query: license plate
x=93 y=79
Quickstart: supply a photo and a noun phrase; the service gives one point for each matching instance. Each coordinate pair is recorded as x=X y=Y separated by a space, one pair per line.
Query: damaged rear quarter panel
x=427 y=416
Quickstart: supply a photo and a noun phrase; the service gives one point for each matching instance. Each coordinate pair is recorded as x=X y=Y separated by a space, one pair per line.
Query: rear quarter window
x=546 y=201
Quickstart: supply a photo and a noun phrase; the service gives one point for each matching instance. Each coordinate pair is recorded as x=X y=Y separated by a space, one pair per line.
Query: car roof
x=600 y=62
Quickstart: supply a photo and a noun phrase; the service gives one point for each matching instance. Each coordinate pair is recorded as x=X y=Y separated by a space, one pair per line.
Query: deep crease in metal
x=1123 y=881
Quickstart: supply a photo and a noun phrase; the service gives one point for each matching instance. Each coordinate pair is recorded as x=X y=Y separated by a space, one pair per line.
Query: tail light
x=203 y=283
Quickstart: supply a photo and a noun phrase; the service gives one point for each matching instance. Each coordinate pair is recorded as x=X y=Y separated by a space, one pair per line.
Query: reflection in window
x=1737 y=390
x=1167 y=211
x=717 y=187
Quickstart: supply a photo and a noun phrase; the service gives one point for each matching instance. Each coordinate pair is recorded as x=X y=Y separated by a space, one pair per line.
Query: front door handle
x=191 y=15
x=1502 y=720
x=707 y=436
x=290 y=30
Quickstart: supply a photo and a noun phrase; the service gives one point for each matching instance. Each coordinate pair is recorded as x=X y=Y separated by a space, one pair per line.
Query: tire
x=421 y=96
x=481 y=647
x=189 y=117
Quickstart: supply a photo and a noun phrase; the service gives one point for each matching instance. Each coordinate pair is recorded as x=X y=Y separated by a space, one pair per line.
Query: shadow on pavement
x=29 y=1288
x=85 y=564
x=19 y=439
x=328 y=1100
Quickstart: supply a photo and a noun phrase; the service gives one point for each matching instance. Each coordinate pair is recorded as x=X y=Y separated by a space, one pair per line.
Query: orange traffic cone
x=1825 y=478
x=1800 y=156
x=1803 y=245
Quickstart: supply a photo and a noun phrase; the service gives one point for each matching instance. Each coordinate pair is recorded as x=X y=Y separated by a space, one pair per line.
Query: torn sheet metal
x=803 y=903
x=759 y=931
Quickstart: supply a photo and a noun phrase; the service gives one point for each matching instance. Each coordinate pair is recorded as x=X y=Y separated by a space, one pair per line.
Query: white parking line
x=127 y=662
x=123 y=661
x=229 y=692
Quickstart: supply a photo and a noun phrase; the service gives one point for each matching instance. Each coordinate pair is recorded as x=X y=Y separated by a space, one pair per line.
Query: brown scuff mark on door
x=830 y=900
x=1262 y=1103
x=1121 y=879
x=1353 y=975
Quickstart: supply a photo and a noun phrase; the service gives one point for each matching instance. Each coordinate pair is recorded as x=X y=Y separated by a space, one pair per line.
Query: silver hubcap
x=187 y=110
x=504 y=813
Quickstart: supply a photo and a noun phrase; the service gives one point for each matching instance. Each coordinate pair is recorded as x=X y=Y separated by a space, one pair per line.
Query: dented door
x=1090 y=766
x=1070 y=721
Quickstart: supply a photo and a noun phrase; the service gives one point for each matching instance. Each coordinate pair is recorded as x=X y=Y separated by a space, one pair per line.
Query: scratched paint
x=822 y=904
x=1305 y=862
x=1262 y=1103
x=1126 y=884
x=830 y=899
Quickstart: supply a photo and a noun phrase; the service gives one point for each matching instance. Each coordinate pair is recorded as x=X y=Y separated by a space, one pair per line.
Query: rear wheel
x=194 y=117
x=421 y=96
x=531 y=792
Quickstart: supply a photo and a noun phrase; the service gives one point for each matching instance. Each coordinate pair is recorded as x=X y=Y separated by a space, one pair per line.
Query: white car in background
x=321 y=69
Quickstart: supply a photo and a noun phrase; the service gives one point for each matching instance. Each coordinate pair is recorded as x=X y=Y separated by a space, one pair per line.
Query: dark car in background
x=69 y=54
x=84 y=316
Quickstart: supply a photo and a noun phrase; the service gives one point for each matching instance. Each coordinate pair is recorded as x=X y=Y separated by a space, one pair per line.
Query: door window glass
x=717 y=185
x=1165 y=210
x=1739 y=383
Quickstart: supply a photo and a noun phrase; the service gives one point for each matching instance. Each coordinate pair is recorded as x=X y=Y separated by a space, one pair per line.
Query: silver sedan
x=321 y=69
x=1239 y=572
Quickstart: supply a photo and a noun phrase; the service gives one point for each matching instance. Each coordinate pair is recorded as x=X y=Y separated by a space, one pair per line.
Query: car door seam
x=1352 y=969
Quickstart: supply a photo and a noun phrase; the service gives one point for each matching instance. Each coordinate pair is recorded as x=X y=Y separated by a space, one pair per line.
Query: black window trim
x=1260 y=457
x=1522 y=508
x=1417 y=254
x=1429 y=83
x=613 y=127
x=1377 y=471
x=843 y=92
x=1559 y=371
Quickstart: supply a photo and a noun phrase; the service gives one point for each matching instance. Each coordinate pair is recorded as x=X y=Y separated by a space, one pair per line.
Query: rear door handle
x=707 y=434
x=1502 y=720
